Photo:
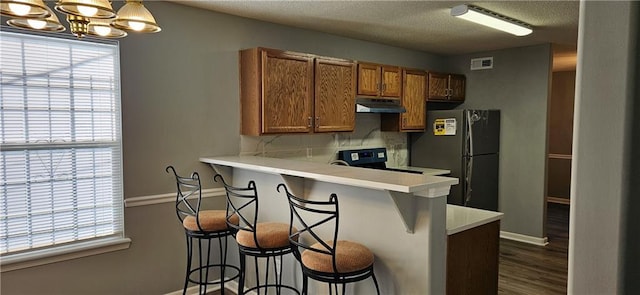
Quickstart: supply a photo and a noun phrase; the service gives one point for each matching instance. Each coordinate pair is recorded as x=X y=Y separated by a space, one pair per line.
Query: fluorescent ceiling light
x=491 y=19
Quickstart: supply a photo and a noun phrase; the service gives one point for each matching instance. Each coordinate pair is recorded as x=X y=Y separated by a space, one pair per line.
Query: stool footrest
x=217 y=281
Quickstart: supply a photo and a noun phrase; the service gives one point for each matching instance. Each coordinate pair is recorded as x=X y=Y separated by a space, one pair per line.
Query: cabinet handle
x=317 y=121
x=378 y=87
x=384 y=87
x=309 y=122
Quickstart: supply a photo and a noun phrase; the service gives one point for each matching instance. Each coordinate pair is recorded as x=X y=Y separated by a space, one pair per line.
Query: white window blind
x=60 y=163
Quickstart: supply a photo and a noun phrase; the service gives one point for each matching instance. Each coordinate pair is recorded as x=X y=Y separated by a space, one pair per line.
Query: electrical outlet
x=309 y=153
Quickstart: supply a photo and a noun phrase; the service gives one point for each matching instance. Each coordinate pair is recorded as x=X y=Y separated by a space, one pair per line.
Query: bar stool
x=336 y=262
x=256 y=239
x=202 y=225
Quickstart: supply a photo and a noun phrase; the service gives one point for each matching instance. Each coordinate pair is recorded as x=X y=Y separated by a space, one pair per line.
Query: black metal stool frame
x=246 y=198
x=331 y=210
x=188 y=203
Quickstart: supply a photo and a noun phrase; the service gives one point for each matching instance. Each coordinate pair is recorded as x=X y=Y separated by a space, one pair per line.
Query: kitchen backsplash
x=323 y=147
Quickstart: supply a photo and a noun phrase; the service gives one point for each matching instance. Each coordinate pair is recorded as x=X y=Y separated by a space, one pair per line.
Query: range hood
x=377 y=105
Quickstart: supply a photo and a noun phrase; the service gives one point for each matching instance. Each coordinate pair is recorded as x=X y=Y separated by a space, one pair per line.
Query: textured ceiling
x=421 y=25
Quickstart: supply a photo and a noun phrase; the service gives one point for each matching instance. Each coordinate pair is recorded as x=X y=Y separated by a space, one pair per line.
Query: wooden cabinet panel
x=446 y=87
x=472 y=260
x=456 y=86
x=438 y=86
x=414 y=100
x=368 y=79
x=287 y=97
x=276 y=93
x=414 y=90
x=335 y=92
x=379 y=81
x=391 y=81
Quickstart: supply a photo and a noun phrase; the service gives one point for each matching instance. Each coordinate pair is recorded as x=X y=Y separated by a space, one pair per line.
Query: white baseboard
x=524 y=238
x=193 y=290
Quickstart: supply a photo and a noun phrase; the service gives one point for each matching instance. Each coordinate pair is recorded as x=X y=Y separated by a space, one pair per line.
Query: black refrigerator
x=467 y=142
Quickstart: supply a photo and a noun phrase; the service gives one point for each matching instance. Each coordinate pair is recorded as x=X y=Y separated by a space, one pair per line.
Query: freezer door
x=480 y=182
x=438 y=151
x=482 y=132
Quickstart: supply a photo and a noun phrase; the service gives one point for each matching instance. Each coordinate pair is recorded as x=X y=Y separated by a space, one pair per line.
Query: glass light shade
x=133 y=16
x=103 y=28
x=36 y=23
x=86 y=8
x=490 y=19
x=51 y=23
x=24 y=8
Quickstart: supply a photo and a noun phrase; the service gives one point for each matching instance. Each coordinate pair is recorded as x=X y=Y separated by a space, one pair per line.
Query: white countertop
x=463 y=218
x=353 y=176
x=425 y=171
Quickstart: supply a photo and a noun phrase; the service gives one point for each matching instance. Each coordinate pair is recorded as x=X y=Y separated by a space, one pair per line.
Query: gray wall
x=604 y=227
x=518 y=85
x=180 y=102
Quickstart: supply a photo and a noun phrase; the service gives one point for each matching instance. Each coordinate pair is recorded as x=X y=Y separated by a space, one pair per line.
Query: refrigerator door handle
x=469 y=134
x=468 y=176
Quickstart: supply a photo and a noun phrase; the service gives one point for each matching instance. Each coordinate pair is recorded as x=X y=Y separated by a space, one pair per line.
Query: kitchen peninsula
x=401 y=217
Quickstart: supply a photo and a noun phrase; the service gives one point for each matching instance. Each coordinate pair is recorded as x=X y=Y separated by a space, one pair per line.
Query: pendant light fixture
x=24 y=8
x=133 y=16
x=85 y=17
x=103 y=28
x=86 y=8
x=491 y=19
x=49 y=24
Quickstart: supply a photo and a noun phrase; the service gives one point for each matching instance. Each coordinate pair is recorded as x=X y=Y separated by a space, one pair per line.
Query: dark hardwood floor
x=530 y=269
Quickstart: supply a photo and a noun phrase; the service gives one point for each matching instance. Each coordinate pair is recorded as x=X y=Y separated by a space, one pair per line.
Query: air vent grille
x=482 y=63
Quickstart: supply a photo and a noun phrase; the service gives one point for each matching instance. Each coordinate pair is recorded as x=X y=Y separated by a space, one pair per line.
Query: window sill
x=62 y=253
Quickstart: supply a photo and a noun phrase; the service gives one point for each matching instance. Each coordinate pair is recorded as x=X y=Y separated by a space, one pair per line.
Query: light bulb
x=136 y=26
x=87 y=10
x=37 y=23
x=102 y=30
x=19 y=9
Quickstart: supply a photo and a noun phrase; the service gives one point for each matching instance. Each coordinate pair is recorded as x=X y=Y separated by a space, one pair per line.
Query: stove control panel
x=363 y=157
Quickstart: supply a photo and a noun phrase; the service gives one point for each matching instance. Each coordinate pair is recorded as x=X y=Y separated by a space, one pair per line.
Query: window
x=60 y=152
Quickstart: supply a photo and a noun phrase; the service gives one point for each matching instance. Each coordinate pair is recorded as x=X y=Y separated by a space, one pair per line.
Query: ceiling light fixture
x=85 y=17
x=24 y=8
x=491 y=19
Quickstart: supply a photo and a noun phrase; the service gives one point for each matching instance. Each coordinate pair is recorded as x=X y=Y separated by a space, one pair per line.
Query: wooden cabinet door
x=457 y=86
x=391 y=81
x=414 y=100
x=287 y=94
x=438 y=87
x=335 y=93
x=368 y=79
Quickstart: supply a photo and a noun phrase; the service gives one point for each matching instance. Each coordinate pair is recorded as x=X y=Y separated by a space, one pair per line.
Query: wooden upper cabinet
x=379 y=81
x=438 y=86
x=414 y=100
x=446 y=87
x=414 y=93
x=391 y=81
x=335 y=93
x=276 y=91
x=457 y=86
x=369 y=79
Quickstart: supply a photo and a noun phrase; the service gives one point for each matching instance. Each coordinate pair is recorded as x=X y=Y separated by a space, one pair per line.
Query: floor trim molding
x=524 y=238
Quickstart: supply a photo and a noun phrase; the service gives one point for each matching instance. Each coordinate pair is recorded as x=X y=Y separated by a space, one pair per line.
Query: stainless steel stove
x=374 y=158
